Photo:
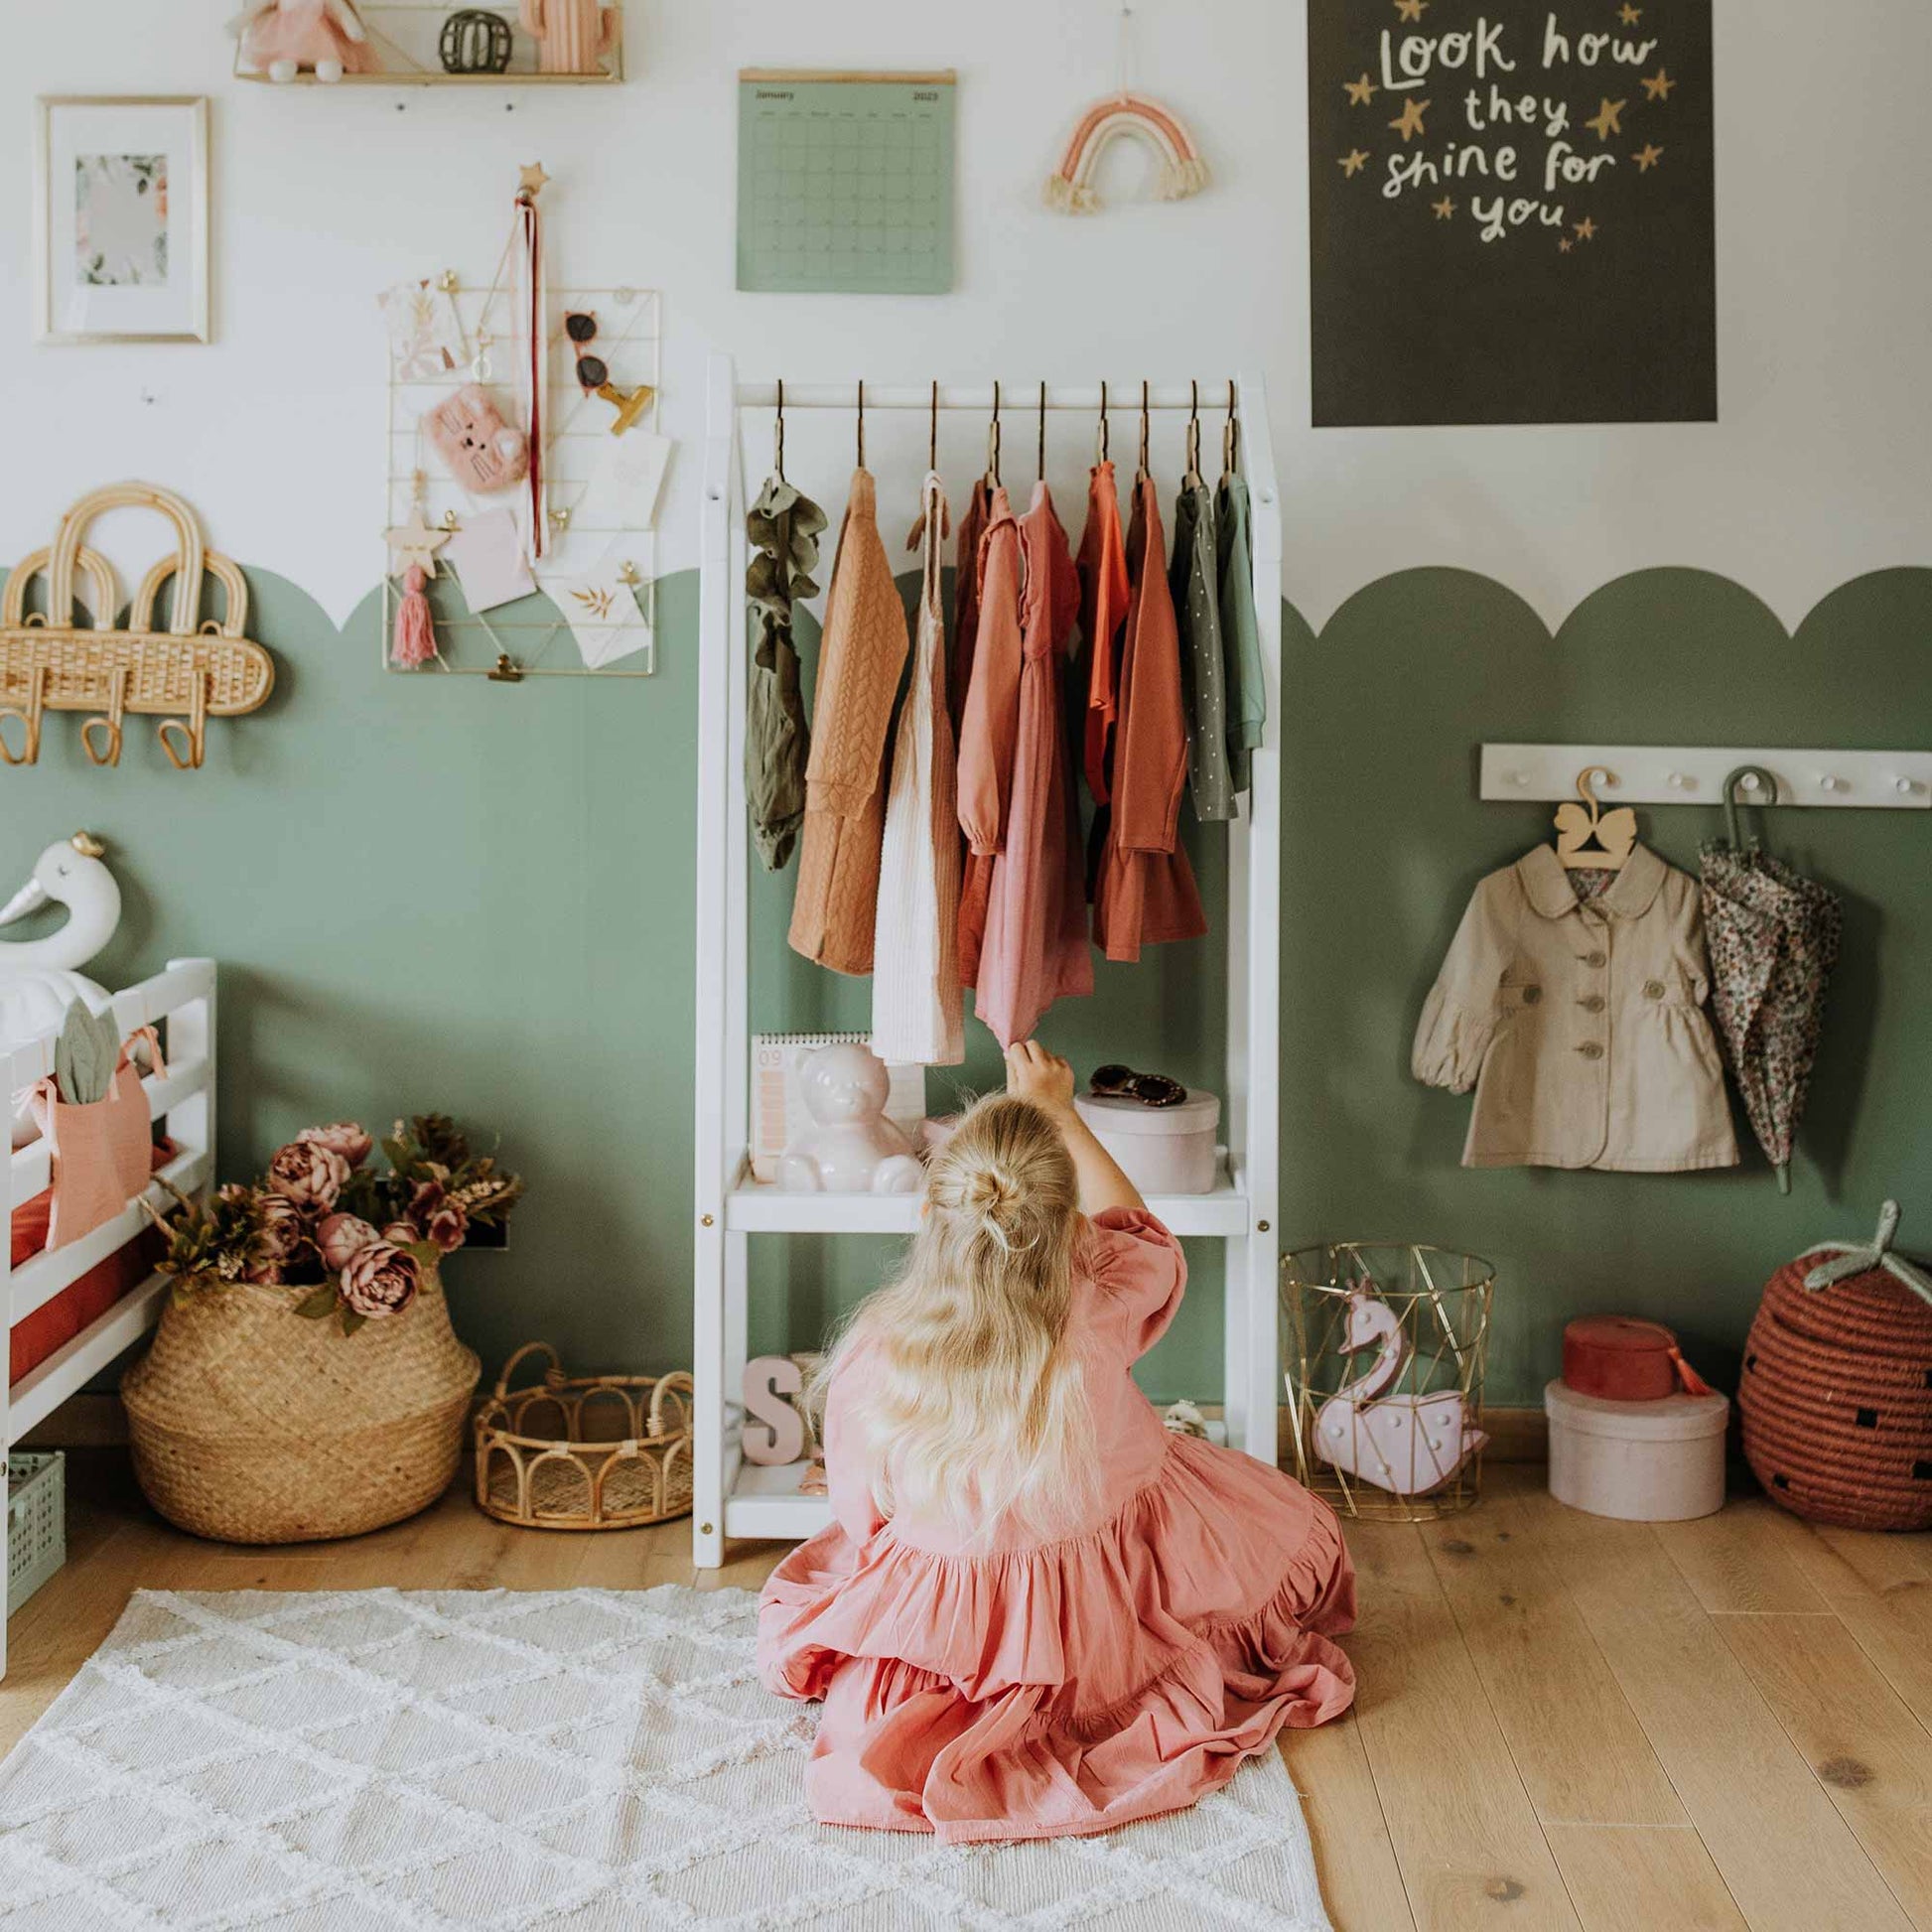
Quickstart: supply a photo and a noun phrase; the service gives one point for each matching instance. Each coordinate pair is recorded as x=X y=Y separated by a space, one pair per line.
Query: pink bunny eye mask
x=485 y=454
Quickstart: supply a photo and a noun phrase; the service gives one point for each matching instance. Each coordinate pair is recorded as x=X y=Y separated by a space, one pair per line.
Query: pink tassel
x=415 y=641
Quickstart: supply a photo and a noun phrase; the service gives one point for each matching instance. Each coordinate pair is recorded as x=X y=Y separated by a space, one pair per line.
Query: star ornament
x=1647 y=157
x=1444 y=209
x=531 y=180
x=1352 y=165
x=1609 y=119
x=1409 y=122
x=1360 y=92
x=415 y=544
x=1658 y=86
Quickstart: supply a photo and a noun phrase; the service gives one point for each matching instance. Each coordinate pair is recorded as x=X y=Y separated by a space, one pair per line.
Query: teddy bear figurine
x=850 y=1148
x=282 y=37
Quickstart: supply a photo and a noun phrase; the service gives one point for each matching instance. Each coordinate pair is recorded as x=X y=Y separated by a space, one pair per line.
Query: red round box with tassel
x=1624 y=1359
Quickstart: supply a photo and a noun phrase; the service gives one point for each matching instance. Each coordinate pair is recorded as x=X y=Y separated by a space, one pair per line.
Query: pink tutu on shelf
x=1073 y=1686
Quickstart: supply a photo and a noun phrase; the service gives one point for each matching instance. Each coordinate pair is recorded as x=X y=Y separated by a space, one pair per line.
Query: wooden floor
x=1563 y=1722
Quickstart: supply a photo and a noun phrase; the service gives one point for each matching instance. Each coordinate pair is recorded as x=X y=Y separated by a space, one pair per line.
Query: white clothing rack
x=733 y=1498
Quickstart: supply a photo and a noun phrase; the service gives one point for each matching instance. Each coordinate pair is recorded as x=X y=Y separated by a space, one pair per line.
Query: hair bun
x=990 y=1192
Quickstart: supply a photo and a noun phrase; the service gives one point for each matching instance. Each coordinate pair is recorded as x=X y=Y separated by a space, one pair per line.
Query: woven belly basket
x=1837 y=1391
x=251 y=1424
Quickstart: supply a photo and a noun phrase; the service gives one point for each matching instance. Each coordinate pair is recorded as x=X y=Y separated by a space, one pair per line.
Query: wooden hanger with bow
x=1593 y=840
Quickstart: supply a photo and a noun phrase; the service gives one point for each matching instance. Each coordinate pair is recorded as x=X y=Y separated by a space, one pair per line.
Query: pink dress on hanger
x=1022 y=1687
x=1036 y=946
x=1144 y=890
x=989 y=728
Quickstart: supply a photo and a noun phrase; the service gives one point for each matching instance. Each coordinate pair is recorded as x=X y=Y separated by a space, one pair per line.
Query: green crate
x=37 y=1522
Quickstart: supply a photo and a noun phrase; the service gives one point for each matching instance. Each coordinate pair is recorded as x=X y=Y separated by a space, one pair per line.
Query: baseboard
x=93 y=1420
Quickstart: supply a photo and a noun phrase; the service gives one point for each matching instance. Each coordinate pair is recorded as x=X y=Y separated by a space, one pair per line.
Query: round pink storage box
x=1160 y=1149
x=1659 y=1461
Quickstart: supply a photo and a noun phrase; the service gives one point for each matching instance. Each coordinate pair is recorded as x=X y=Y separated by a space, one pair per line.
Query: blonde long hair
x=973 y=1407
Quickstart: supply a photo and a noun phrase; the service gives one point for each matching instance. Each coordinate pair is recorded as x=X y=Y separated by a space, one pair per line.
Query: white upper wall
x=1818 y=471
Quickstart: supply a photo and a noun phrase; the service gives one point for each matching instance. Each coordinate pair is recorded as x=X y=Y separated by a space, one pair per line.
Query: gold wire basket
x=584 y=1452
x=1385 y=1353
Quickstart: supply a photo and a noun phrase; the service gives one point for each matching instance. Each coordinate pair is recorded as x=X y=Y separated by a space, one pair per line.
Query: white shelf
x=765 y=1504
x=752 y=1207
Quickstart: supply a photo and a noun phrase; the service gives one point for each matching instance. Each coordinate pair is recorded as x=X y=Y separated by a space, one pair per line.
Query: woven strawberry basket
x=1836 y=1396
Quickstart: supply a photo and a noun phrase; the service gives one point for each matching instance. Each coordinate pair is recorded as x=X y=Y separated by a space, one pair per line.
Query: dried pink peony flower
x=449 y=1227
x=343 y=1137
x=308 y=1174
x=285 y=1227
x=380 y=1279
x=341 y=1237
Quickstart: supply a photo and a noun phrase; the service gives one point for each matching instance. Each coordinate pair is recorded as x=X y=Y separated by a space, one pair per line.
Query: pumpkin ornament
x=1837 y=1389
x=475 y=41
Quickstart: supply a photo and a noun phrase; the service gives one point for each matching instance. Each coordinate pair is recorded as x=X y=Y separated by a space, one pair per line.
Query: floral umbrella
x=1774 y=939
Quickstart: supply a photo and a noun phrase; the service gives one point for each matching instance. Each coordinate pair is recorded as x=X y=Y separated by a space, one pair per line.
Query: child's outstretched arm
x=1033 y=1073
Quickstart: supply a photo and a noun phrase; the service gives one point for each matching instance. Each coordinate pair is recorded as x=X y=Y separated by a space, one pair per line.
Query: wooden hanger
x=1593 y=840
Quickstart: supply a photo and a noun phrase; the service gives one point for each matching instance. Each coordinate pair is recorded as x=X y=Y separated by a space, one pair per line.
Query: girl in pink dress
x=1037 y=1611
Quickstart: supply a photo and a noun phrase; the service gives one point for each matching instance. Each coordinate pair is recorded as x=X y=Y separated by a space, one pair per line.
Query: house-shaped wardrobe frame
x=735 y=1499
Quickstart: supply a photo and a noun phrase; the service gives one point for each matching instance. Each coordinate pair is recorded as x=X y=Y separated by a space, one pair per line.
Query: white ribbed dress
x=917 y=1014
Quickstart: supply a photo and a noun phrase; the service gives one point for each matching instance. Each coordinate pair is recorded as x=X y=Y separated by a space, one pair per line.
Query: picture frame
x=121 y=219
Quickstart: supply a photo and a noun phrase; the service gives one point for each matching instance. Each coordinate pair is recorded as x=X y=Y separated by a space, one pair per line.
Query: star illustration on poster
x=1453 y=143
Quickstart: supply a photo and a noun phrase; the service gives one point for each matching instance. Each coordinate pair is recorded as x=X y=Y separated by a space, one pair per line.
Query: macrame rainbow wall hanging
x=1179 y=170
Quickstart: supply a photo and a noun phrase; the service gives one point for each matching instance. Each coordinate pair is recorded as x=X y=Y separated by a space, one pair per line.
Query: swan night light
x=1409 y=1444
x=40 y=978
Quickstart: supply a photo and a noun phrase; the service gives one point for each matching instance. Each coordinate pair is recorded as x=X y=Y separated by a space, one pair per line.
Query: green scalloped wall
x=448 y=892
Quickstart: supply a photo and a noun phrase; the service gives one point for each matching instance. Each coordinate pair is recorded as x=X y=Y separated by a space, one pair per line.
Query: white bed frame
x=734 y=1499
x=182 y=997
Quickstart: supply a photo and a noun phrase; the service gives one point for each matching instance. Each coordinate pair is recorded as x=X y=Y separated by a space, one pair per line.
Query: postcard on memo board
x=845 y=182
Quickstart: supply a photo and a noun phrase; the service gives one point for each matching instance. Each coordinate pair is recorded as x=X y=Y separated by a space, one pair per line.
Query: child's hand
x=1033 y=1073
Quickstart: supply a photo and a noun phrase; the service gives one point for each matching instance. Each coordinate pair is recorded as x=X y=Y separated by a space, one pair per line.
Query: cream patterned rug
x=573 y=1761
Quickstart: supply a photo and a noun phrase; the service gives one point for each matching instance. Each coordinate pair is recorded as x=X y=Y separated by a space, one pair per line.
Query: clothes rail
x=735 y=1499
x=1018 y=400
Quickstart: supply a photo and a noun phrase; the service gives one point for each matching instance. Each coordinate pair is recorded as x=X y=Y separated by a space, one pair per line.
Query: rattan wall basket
x=584 y=1451
x=252 y=1425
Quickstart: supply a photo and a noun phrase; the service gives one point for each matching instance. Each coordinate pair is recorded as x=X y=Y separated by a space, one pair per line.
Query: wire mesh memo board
x=531 y=634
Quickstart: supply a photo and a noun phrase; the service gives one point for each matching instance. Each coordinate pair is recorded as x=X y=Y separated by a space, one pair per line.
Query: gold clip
x=628 y=407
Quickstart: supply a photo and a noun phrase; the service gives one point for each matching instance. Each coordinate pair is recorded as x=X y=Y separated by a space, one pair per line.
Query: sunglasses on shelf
x=593 y=373
x=1123 y=1083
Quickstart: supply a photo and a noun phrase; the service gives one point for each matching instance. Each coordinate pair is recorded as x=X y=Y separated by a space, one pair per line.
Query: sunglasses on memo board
x=593 y=373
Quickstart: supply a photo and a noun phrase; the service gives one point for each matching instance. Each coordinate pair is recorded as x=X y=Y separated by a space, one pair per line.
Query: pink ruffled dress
x=1031 y=1689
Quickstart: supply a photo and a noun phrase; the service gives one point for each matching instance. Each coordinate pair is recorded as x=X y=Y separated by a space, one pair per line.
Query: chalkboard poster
x=1511 y=211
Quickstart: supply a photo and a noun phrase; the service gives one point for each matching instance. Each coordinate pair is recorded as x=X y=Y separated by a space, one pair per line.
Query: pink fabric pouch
x=101 y=1152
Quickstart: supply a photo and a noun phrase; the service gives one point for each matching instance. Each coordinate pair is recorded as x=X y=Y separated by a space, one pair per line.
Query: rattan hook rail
x=579 y=1476
x=184 y=675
